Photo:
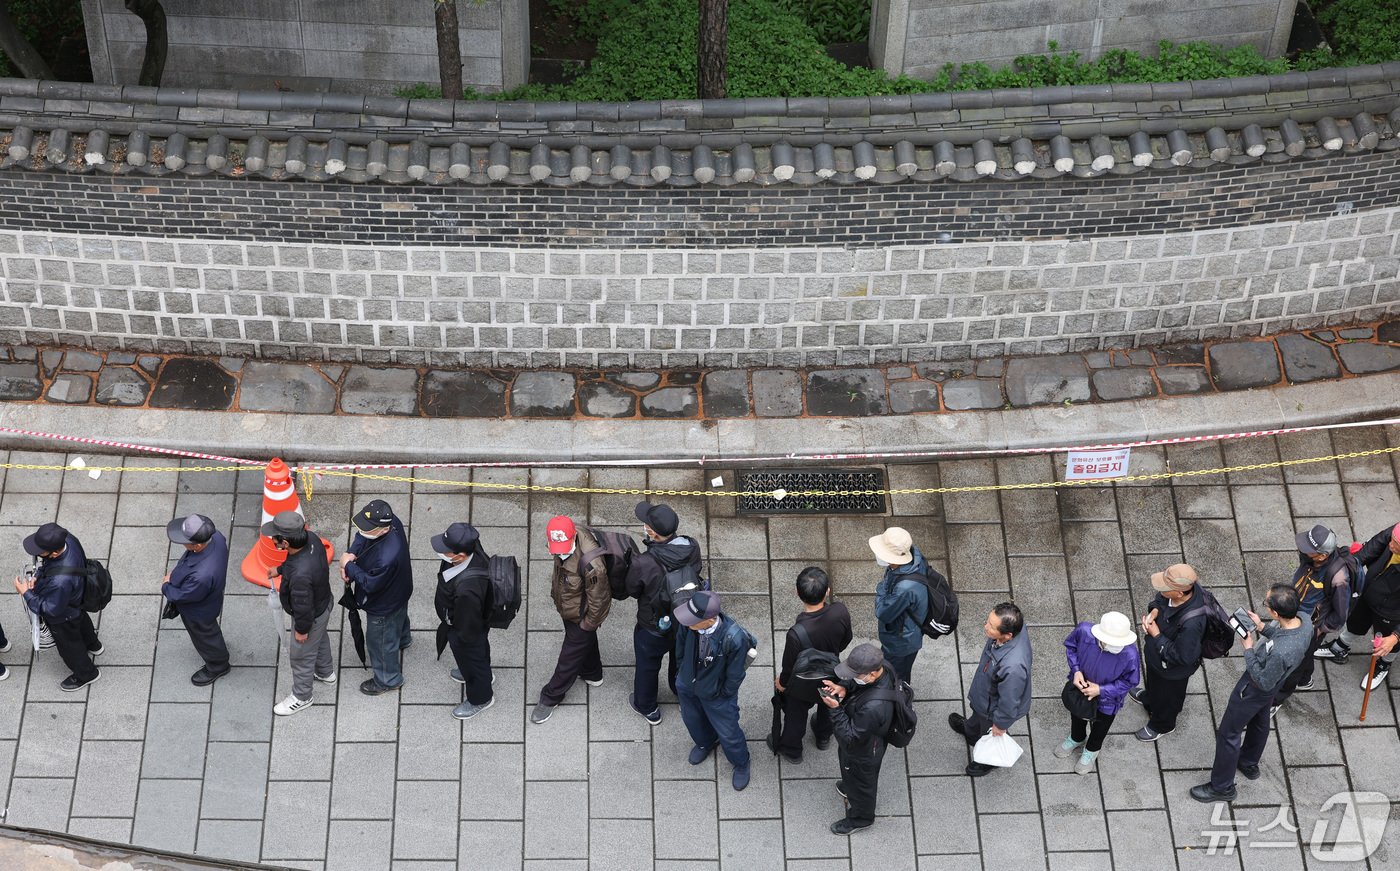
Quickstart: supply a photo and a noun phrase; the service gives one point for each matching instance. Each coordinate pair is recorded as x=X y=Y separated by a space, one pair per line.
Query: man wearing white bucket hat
x=1103 y=666
x=901 y=599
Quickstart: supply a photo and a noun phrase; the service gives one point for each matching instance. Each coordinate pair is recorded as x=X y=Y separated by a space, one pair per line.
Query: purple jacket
x=1115 y=673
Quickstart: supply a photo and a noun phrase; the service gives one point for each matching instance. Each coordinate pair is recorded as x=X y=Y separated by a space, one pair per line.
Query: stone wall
x=918 y=37
x=736 y=305
x=358 y=46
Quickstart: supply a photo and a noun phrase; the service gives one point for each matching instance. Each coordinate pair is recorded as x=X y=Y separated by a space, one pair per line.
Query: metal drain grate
x=846 y=485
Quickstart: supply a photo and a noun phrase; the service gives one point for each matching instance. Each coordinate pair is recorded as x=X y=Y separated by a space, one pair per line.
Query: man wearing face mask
x=861 y=722
x=1171 y=650
x=196 y=588
x=712 y=652
x=901 y=599
x=582 y=596
x=463 y=593
x=1323 y=585
x=379 y=565
x=55 y=593
x=305 y=593
x=1378 y=607
x=647 y=579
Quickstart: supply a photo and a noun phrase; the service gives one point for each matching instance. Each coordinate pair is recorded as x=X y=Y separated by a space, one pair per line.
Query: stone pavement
x=124 y=378
x=395 y=782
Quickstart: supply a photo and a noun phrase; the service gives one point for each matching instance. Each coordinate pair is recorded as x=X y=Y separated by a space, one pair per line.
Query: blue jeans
x=903 y=665
x=715 y=721
x=385 y=636
x=650 y=649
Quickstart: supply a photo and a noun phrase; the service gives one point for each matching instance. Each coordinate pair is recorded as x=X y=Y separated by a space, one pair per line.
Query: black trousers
x=795 y=711
x=474 y=661
x=1164 y=699
x=208 y=641
x=578 y=657
x=974 y=727
x=1302 y=674
x=860 y=774
x=1243 y=732
x=2 y=636
x=1094 y=731
x=74 y=638
x=650 y=649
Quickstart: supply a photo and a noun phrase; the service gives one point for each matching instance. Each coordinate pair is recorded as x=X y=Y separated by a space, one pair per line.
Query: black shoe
x=373 y=687
x=653 y=717
x=821 y=743
x=71 y=684
x=204 y=677
x=841 y=789
x=845 y=826
x=977 y=769
x=1139 y=695
x=1251 y=772
x=773 y=745
x=957 y=722
x=1206 y=793
x=1336 y=651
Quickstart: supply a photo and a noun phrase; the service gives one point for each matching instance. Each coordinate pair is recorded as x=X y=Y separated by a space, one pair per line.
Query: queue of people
x=862 y=701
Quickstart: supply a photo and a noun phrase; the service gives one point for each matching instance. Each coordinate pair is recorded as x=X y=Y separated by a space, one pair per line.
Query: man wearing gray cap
x=305 y=593
x=710 y=661
x=195 y=588
x=861 y=720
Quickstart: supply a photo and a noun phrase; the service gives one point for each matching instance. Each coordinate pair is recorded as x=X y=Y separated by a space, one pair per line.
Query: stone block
x=1046 y=381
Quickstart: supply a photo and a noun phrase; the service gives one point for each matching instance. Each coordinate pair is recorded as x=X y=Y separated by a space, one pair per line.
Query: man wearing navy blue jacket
x=712 y=653
x=196 y=588
x=901 y=599
x=55 y=593
x=377 y=563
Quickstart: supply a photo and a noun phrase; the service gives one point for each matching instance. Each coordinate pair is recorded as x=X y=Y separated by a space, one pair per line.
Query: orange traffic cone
x=278 y=495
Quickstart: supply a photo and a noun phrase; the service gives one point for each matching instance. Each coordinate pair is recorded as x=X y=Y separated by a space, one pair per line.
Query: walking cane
x=1366 y=699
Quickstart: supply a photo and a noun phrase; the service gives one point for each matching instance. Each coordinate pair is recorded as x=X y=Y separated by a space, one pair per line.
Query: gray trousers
x=312 y=656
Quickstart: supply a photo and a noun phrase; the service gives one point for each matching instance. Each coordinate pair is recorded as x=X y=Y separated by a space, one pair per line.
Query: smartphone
x=1241 y=622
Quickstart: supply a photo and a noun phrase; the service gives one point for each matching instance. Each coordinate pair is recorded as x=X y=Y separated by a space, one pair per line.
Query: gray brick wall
x=729 y=307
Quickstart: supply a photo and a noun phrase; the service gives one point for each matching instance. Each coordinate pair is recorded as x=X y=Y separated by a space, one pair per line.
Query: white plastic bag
x=1001 y=751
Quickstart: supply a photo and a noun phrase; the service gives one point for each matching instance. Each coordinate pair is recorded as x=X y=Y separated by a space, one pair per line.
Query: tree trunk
x=713 y=54
x=449 y=48
x=18 y=49
x=152 y=14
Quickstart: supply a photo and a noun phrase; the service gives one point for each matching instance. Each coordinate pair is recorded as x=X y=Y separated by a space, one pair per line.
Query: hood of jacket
x=674 y=553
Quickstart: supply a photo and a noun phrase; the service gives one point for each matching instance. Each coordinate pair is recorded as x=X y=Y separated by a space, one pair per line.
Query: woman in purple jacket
x=1103 y=664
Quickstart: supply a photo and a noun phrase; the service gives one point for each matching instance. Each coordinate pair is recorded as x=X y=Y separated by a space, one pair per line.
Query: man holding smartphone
x=1243 y=732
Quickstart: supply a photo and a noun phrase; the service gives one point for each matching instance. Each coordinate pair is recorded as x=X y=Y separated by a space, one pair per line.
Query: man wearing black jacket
x=305 y=593
x=1377 y=609
x=378 y=564
x=860 y=725
x=653 y=636
x=1173 y=627
x=196 y=588
x=1323 y=584
x=463 y=594
x=826 y=626
x=55 y=593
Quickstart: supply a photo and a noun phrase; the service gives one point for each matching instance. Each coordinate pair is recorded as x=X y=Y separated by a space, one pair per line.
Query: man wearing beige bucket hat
x=1103 y=666
x=901 y=599
x=1172 y=649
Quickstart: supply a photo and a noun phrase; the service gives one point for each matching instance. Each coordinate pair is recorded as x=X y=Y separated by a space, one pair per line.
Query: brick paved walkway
x=395 y=782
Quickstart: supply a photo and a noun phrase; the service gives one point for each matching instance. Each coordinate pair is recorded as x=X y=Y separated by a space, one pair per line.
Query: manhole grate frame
x=757 y=484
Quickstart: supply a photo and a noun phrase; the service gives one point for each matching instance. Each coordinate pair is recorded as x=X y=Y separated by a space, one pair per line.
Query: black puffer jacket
x=648 y=571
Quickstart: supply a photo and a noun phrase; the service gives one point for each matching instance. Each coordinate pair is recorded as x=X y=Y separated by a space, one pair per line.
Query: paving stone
x=81 y=361
x=297 y=820
x=121 y=385
x=117 y=705
x=969 y=393
x=846 y=392
x=497 y=846
x=1241 y=365
x=179 y=730
x=1389 y=331
x=70 y=388
x=777 y=393
x=497 y=775
x=693 y=835
x=597 y=399
x=753 y=843
x=635 y=380
x=50 y=751
x=50 y=360
x=149 y=363
x=242 y=704
x=20 y=381
x=195 y=384
x=235 y=780
x=239 y=840
x=1306 y=360
x=368 y=390
x=626 y=845
x=1116 y=384
x=285 y=387
x=1189 y=353
x=425 y=726
x=167 y=815
x=120 y=358
x=1046 y=380
x=107 y=776
x=556 y=820
x=542 y=394
x=891 y=850
x=360 y=845
x=726 y=393
x=363 y=787
x=114 y=829
x=1073 y=812
x=671 y=402
x=908 y=397
x=1361 y=359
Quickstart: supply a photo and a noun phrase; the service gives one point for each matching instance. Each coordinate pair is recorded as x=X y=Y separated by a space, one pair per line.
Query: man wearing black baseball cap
x=712 y=653
x=195 y=587
x=658 y=579
x=462 y=595
x=305 y=593
x=1323 y=584
x=379 y=566
x=55 y=593
x=860 y=722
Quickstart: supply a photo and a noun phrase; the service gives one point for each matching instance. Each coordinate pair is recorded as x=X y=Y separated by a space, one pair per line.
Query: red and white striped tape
x=106 y=443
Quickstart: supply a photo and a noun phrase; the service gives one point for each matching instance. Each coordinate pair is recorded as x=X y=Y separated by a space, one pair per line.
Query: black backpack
x=811 y=667
x=503 y=581
x=941 y=618
x=1218 y=637
x=676 y=588
x=616 y=550
x=904 y=721
x=97 y=584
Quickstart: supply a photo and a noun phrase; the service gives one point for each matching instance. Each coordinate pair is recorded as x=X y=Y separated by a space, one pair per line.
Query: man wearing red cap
x=1377 y=609
x=583 y=596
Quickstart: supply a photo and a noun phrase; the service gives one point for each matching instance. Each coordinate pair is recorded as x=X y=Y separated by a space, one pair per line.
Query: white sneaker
x=330 y=678
x=6 y=648
x=594 y=683
x=4 y=672
x=290 y=705
x=1382 y=672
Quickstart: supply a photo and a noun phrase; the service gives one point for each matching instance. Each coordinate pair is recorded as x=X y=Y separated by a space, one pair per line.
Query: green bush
x=834 y=20
x=1362 y=32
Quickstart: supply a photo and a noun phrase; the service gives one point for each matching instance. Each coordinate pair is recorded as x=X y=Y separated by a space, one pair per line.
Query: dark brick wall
x=752 y=215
